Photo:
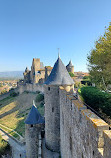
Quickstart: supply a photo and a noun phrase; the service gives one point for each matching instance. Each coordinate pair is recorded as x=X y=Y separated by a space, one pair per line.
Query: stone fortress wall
x=30 y=88
x=83 y=134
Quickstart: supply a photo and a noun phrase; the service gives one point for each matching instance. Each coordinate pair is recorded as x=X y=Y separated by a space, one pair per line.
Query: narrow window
x=71 y=106
x=48 y=88
x=53 y=109
x=71 y=143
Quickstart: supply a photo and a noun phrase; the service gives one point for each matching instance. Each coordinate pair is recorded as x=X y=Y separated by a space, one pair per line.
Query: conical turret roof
x=34 y=117
x=70 y=64
x=59 y=75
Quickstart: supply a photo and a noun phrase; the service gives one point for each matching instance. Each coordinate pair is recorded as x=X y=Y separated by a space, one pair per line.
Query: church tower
x=58 y=77
x=33 y=126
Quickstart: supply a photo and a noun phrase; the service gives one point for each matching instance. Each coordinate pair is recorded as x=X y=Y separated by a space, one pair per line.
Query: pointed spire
x=58 y=52
x=59 y=75
x=34 y=103
x=34 y=117
x=70 y=64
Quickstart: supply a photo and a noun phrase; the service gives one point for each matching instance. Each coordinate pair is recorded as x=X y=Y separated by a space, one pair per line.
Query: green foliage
x=3 y=91
x=100 y=60
x=13 y=94
x=71 y=74
x=40 y=97
x=97 y=99
x=86 y=82
x=86 y=78
x=1 y=85
x=77 y=84
x=79 y=91
x=38 y=92
x=41 y=104
x=3 y=146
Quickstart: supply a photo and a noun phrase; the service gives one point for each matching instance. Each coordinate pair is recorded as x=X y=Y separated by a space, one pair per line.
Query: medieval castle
x=34 y=78
x=70 y=128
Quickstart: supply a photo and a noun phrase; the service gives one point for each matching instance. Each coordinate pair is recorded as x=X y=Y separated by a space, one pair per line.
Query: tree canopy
x=100 y=60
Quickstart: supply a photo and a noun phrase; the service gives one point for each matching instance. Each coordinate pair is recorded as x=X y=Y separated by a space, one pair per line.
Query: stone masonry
x=52 y=117
x=83 y=134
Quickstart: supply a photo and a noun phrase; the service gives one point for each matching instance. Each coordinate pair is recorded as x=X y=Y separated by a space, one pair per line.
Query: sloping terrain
x=14 y=110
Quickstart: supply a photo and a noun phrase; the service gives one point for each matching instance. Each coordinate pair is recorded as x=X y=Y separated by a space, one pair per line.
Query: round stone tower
x=33 y=126
x=58 y=77
x=70 y=67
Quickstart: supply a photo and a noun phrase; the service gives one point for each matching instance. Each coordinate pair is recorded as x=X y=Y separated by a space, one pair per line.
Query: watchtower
x=59 y=77
x=33 y=126
x=70 y=67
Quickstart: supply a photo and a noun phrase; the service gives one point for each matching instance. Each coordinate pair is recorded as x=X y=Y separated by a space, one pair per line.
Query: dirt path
x=18 y=151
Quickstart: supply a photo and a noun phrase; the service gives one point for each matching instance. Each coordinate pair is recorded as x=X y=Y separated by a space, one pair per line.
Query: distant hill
x=11 y=75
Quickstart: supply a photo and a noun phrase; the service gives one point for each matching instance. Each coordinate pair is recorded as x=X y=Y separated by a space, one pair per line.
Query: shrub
x=41 y=104
x=40 y=97
x=86 y=82
x=13 y=94
x=77 y=84
x=38 y=92
x=97 y=99
x=71 y=74
x=3 y=91
x=3 y=146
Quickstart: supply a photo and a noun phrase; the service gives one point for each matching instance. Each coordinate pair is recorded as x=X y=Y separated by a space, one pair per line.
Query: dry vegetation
x=13 y=111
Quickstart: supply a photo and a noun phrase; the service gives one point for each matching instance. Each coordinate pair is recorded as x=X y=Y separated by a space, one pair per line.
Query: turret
x=33 y=126
x=70 y=67
x=58 y=77
x=26 y=70
x=26 y=75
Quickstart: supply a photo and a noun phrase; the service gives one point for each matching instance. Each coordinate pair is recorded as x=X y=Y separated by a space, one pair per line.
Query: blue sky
x=36 y=28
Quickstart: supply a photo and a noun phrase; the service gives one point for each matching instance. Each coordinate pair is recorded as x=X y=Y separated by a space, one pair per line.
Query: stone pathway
x=18 y=151
x=47 y=153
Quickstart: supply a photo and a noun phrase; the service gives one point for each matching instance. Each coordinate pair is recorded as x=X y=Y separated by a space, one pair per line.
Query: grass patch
x=14 y=110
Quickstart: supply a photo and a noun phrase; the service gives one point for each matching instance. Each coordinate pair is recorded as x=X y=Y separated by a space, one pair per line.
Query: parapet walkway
x=18 y=150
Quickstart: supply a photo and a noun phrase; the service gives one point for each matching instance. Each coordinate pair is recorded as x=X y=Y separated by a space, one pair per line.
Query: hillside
x=14 y=110
x=11 y=75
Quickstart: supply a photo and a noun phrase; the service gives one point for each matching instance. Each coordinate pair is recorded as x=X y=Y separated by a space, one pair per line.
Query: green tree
x=100 y=60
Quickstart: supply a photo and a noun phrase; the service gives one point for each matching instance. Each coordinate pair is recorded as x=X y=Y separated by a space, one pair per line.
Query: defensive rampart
x=83 y=134
x=30 y=88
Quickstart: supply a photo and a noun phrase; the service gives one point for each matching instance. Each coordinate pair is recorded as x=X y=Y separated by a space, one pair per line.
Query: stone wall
x=83 y=134
x=52 y=117
x=32 y=139
x=30 y=88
